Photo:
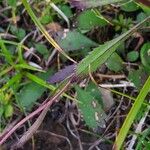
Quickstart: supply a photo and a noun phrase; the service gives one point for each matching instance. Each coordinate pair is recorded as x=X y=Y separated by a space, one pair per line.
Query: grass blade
x=42 y=29
x=47 y=85
x=100 y=54
x=132 y=114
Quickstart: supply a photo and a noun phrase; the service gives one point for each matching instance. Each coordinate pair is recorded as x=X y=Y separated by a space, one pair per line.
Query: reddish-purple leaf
x=63 y=74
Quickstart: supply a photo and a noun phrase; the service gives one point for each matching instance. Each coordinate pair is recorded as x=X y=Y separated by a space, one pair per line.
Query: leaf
x=103 y=96
x=45 y=19
x=29 y=67
x=12 y=3
x=66 y=10
x=18 y=32
x=89 y=19
x=115 y=63
x=74 y=40
x=95 y=92
x=141 y=16
x=145 y=56
x=62 y=74
x=31 y=92
x=1 y=111
x=100 y=54
x=8 y=111
x=132 y=114
x=82 y=4
x=91 y=110
x=130 y=7
x=42 y=49
x=133 y=56
x=137 y=77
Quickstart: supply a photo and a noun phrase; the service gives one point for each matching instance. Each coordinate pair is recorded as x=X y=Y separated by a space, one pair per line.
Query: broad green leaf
x=130 y=7
x=141 y=16
x=95 y=92
x=42 y=49
x=147 y=144
x=133 y=56
x=115 y=62
x=45 y=19
x=46 y=84
x=145 y=56
x=8 y=111
x=89 y=19
x=137 y=77
x=66 y=10
x=100 y=54
x=12 y=3
x=76 y=41
x=18 y=32
x=31 y=92
x=91 y=110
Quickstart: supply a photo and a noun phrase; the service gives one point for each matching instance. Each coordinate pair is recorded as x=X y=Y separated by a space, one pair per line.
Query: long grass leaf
x=131 y=115
x=42 y=29
x=100 y=54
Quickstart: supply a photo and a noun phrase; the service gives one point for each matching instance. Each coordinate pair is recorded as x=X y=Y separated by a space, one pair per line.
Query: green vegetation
x=88 y=57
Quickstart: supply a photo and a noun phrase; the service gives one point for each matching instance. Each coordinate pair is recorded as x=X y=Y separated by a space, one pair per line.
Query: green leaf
x=89 y=19
x=42 y=49
x=141 y=16
x=8 y=112
x=133 y=56
x=147 y=144
x=114 y=62
x=18 y=32
x=132 y=114
x=91 y=110
x=31 y=92
x=130 y=7
x=27 y=66
x=75 y=41
x=137 y=77
x=100 y=54
x=6 y=52
x=66 y=10
x=45 y=84
x=12 y=3
x=45 y=19
x=1 y=110
x=95 y=92
x=145 y=56
x=145 y=8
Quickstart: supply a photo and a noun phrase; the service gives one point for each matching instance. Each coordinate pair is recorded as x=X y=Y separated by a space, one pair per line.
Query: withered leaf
x=63 y=74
